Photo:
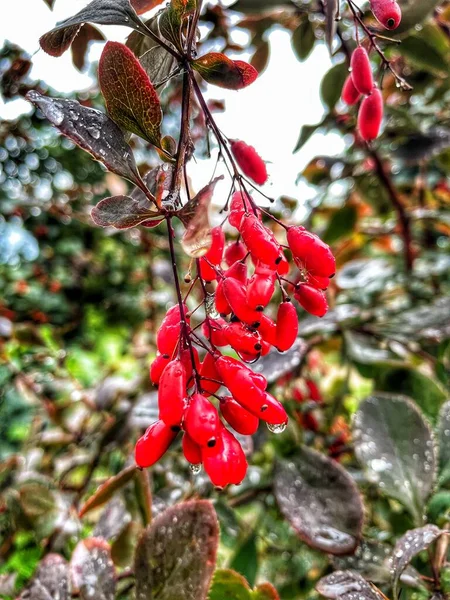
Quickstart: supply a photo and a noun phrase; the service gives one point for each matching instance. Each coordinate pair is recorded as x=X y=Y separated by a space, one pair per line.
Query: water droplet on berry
x=277 y=428
x=195 y=469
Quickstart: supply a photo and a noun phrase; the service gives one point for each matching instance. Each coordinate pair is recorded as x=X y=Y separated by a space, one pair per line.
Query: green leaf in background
x=443 y=433
x=341 y=224
x=303 y=39
x=331 y=86
x=245 y=560
x=305 y=133
x=422 y=53
x=229 y=585
x=394 y=443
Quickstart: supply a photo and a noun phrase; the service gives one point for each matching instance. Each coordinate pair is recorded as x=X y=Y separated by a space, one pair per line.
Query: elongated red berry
x=260 y=290
x=235 y=293
x=321 y=283
x=168 y=334
x=370 y=116
x=240 y=419
x=242 y=339
x=172 y=393
x=260 y=241
x=202 y=421
x=209 y=372
x=287 y=326
x=225 y=464
x=268 y=330
x=387 y=12
x=350 y=95
x=231 y=369
x=272 y=411
x=213 y=256
x=239 y=204
x=310 y=252
x=311 y=299
x=234 y=251
x=192 y=451
x=153 y=444
x=213 y=330
x=157 y=367
x=361 y=71
x=249 y=161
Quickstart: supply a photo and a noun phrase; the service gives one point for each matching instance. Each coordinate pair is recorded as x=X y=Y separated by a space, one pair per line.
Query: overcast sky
x=267 y=115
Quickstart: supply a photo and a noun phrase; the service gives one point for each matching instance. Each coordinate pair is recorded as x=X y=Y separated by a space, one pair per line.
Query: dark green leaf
x=176 y=554
x=229 y=585
x=305 y=133
x=332 y=83
x=423 y=54
x=245 y=560
x=394 y=443
x=341 y=224
x=320 y=501
x=303 y=39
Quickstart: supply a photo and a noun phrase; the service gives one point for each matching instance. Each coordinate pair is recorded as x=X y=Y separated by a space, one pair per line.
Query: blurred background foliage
x=80 y=306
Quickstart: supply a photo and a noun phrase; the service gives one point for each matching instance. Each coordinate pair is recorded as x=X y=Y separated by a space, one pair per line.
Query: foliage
x=351 y=500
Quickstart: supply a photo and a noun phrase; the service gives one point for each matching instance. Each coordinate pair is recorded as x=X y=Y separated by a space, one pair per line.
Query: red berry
x=321 y=283
x=235 y=294
x=209 y=371
x=260 y=290
x=192 y=451
x=213 y=256
x=213 y=330
x=242 y=339
x=202 y=421
x=240 y=203
x=387 y=12
x=234 y=251
x=350 y=94
x=249 y=161
x=225 y=464
x=168 y=334
x=283 y=266
x=230 y=369
x=172 y=393
x=361 y=71
x=240 y=419
x=157 y=367
x=287 y=326
x=238 y=271
x=310 y=252
x=268 y=330
x=312 y=300
x=260 y=241
x=153 y=444
x=370 y=116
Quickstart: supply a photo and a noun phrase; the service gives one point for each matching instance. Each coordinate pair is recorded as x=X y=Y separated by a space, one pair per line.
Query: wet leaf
x=101 y=12
x=93 y=131
x=123 y=212
x=230 y=585
x=276 y=364
x=106 y=490
x=87 y=34
x=265 y=591
x=113 y=521
x=197 y=238
x=303 y=39
x=394 y=443
x=444 y=442
x=364 y=273
x=245 y=560
x=171 y=20
x=320 y=501
x=176 y=554
x=92 y=570
x=218 y=69
x=408 y=546
x=51 y=581
x=367 y=350
x=130 y=97
x=347 y=585
x=331 y=86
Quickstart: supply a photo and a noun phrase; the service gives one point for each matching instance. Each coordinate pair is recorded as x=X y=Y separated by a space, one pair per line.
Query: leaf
x=423 y=54
x=122 y=212
x=218 y=69
x=265 y=591
x=332 y=83
x=276 y=364
x=93 y=131
x=106 y=490
x=51 y=580
x=80 y=44
x=331 y=7
x=261 y=56
x=142 y=6
x=305 y=133
x=414 y=12
x=245 y=560
x=347 y=585
x=158 y=64
x=130 y=97
x=92 y=570
x=444 y=442
x=394 y=443
x=341 y=224
x=229 y=585
x=36 y=499
x=197 y=238
x=176 y=554
x=171 y=20
x=113 y=521
x=101 y=12
x=303 y=39
x=406 y=548
x=320 y=501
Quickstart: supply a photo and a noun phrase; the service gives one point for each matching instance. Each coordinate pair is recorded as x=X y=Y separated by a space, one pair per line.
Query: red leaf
x=80 y=44
x=218 y=69
x=142 y=6
x=106 y=490
x=130 y=97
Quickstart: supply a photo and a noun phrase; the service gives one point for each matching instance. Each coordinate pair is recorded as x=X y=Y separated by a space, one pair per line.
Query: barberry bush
x=205 y=396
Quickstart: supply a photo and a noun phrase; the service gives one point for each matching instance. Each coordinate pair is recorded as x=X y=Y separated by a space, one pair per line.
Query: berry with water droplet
x=260 y=241
x=240 y=419
x=168 y=334
x=192 y=451
x=153 y=444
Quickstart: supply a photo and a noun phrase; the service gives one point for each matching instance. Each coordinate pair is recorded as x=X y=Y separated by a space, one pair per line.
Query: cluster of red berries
x=360 y=81
x=187 y=385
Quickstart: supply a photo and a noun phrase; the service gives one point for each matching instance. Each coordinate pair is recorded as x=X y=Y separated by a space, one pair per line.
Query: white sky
x=268 y=114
